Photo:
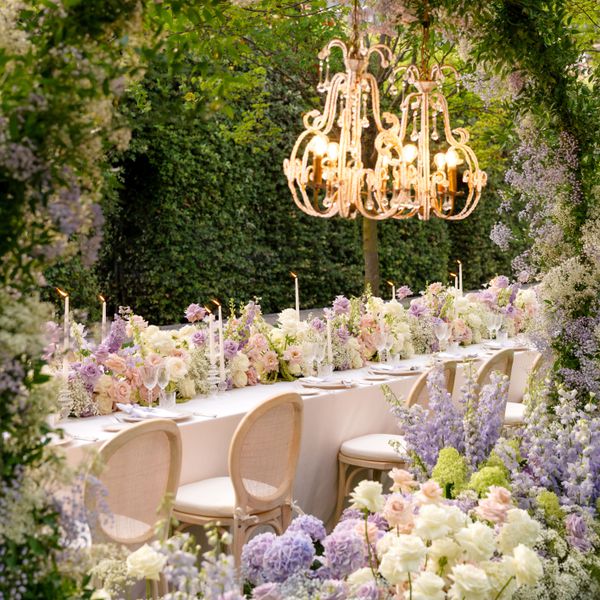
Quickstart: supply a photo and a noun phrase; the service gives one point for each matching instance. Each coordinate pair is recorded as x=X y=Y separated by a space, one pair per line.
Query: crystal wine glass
x=389 y=343
x=379 y=338
x=319 y=356
x=163 y=379
x=442 y=332
x=309 y=351
x=149 y=375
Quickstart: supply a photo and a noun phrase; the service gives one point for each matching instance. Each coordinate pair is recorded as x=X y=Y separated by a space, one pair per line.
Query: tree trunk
x=371 y=254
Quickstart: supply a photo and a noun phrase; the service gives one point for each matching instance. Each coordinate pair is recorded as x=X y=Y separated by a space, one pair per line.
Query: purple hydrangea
x=195 y=312
x=577 y=532
x=199 y=338
x=252 y=557
x=341 y=305
x=230 y=349
x=309 y=525
x=403 y=292
x=345 y=552
x=288 y=555
x=333 y=589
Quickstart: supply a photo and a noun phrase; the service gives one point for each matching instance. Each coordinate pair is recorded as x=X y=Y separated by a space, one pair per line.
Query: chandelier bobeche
x=328 y=172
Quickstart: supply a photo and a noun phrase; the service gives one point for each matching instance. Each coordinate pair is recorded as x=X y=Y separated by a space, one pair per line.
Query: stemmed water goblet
x=149 y=375
x=442 y=332
x=163 y=381
x=388 y=345
x=319 y=356
x=309 y=351
x=494 y=323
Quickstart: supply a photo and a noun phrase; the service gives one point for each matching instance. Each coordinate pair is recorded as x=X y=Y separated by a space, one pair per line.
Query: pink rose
x=116 y=364
x=154 y=360
x=180 y=353
x=429 y=493
x=398 y=512
x=495 y=506
x=252 y=376
x=120 y=392
x=293 y=355
x=270 y=361
x=403 y=481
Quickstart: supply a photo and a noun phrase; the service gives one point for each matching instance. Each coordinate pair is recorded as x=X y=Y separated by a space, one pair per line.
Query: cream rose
x=398 y=512
x=176 y=368
x=527 y=565
x=187 y=388
x=477 y=540
x=368 y=495
x=432 y=522
x=519 y=528
x=145 y=563
x=239 y=379
x=405 y=555
x=470 y=583
x=428 y=586
x=358 y=578
x=443 y=548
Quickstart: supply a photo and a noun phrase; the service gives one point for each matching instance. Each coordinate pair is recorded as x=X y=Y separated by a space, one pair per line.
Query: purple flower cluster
x=403 y=292
x=230 y=348
x=253 y=555
x=577 y=532
x=116 y=336
x=345 y=552
x=200 y=337
x=310 y=526
x=288 y=555
x=195 y=312
x=318 y=325
x=341 y=305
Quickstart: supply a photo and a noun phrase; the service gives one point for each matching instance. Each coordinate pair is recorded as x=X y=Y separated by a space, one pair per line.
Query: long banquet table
x=330 y=418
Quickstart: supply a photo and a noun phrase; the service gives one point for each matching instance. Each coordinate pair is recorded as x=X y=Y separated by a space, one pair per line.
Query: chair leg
x=341 y=493
x=239 y=539
x=286 y=516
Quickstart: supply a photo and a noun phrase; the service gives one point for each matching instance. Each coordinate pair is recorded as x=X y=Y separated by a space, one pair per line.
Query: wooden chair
x=501 y=361
x=373 y=453
x=138 y=470
x=514 y=415
x=263 y=455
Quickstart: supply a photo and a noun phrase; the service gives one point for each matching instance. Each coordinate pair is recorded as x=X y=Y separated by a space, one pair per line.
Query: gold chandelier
x=327 y=170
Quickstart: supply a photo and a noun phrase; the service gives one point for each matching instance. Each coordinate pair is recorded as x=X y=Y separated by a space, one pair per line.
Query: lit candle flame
x=208 y=309
x=63 y=294
x=453 y=274
x=293 y=275
x=101 y=298
x=215 y=301
x=390 y=283
x=458 y=262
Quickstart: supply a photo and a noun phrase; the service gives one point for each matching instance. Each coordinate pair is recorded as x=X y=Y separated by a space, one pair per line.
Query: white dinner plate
x=399 y=372
x=309 y=392
x=56 y=441
x=324 y=384
x=172 y=416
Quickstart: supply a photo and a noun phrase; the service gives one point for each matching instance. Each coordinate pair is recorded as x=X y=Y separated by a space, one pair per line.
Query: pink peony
x=403 y=481
x=495 y=506
x=398 y=512
x=116 y=364
x=293 y=355
x=429 y=493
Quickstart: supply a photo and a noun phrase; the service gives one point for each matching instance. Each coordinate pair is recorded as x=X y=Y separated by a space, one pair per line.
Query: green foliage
x=549 y=503
x=481 y=480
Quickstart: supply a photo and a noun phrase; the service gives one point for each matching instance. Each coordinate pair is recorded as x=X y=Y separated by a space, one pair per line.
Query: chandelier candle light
x=330 y=172
x=65 y=319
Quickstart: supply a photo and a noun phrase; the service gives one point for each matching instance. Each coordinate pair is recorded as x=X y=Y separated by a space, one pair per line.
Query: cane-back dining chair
x=263 y=455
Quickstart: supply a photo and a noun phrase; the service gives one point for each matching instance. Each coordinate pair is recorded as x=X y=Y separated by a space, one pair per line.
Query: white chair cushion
x=514 y=413
x=375 y=446
x=210 y=497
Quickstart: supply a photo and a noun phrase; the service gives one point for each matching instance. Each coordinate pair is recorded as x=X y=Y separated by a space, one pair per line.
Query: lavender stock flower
x=341 y=305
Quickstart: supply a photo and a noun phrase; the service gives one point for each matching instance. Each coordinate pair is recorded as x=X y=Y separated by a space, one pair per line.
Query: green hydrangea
x=450 y=471
x=549 y=503
x=495 y=461
x=487 y=476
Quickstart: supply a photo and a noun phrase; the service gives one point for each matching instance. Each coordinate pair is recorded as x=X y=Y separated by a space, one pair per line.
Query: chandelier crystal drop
x=352 y=160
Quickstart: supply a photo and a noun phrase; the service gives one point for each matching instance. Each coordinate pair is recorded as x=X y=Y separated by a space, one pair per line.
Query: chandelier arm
x=448 y=131
x=324 y=120
x=336 y=43
x=382 y=50
x=437 y=72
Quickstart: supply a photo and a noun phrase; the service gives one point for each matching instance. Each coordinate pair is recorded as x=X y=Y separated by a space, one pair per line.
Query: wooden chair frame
x=250 y=512
x=484 y=372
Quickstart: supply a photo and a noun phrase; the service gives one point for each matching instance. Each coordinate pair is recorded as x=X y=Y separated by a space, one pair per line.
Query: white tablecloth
x=330 y=418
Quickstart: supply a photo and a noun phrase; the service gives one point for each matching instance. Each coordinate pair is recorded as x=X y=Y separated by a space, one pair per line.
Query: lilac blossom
x=195 y=312
x=289 y=554
x=577 y=532
x=341 y=305
x=501 y=235
x=318 y=325
x=117 y=334
x=309 y=525
x=230 y=348
x=343 y=334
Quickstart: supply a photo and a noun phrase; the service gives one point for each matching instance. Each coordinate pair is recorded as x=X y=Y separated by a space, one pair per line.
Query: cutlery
x=199 y=414
x=84 y=438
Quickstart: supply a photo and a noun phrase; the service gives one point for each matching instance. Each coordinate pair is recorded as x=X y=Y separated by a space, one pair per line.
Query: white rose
x=186 y=331
x=368 y=495
x=428 y=586
x=432 y=522
x=527 y=565
x=356 y=579
x=461 y=304
x=100 y=595
x=501 y=576
x=404 y=555
x=470 y=583
x=239 y=379
x=145 y=563
x=477 y=540
x=474 y=321
x=277 y=337
x=162 y=342
x=456 y=519
x=393 y=308
x=519 y=528
x=443 y=548
x=240 y=362
x=295 y=370
x=176 y=368
x=187 y=388
x=385 y=543
x=288 y=321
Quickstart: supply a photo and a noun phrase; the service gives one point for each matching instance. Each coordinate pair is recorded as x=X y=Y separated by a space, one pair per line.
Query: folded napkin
x=146 y=412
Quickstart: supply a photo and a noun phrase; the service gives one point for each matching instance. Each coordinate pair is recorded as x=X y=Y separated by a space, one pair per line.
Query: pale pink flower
x=252 y=376
x=495 y=506
x=270 y=361
x=120 y=392
x=403 y=481
x=368 y=532
x=116 y=364
x=154 y=360
x=398 y=512
x=429 y=493
x=180 y=353
x=293 y=355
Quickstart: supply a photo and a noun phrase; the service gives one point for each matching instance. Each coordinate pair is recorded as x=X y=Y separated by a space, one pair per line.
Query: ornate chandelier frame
x=327 y=172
